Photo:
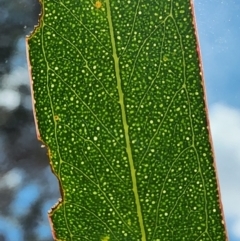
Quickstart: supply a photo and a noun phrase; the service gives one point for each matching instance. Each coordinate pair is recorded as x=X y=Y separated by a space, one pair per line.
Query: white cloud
x=10 y=99
x=225 y=127
x=11 y=179
x=236 y=228
x=19 y=76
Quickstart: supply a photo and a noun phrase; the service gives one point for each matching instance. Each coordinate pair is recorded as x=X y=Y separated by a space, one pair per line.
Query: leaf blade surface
x=119 y=103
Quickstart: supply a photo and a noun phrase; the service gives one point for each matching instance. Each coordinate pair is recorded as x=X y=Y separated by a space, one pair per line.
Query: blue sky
x=219 y=33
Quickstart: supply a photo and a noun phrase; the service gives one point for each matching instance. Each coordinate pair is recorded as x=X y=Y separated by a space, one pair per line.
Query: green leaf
x=120 y=104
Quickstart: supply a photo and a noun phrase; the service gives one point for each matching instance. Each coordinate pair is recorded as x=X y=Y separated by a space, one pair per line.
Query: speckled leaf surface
x=120 y=105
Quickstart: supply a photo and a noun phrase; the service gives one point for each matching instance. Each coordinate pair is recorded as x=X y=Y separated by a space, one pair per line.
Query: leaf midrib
x=124 y=121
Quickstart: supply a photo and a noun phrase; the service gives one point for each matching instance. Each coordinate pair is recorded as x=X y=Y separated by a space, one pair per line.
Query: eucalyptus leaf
x=120 y=104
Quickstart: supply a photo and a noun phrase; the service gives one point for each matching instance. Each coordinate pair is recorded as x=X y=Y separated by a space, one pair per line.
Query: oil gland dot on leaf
x=105 y=238
x=165 y=58
x=98 y=4
x=56 y=118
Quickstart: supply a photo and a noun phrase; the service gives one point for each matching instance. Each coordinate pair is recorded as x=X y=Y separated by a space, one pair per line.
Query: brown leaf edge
x=60 y=200
x=207 y=117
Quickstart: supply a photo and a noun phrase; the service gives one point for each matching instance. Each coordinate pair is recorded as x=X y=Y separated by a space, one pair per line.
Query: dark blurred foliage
x=27 y=186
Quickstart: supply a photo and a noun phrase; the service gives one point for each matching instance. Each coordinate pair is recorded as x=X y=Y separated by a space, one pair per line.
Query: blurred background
x=28 y=189
x=27 y=186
